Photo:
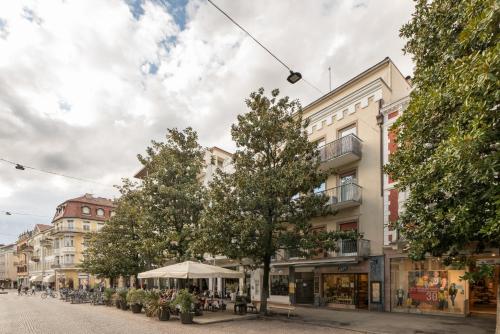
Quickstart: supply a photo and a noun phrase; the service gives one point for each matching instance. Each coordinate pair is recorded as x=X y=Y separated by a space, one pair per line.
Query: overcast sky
x=85 y=85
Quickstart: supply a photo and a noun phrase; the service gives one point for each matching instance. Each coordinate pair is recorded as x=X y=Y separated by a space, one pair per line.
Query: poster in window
x=376 y=292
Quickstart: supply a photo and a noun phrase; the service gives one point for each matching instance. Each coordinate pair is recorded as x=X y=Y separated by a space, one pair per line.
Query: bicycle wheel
x=44 y=295
x=54 y=294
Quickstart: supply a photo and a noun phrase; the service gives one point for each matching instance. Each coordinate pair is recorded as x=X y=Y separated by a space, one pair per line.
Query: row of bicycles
x=82 y=296
x=34 y=292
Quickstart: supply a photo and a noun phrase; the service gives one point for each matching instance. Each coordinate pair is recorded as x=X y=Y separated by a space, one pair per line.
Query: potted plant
x=185 y=301
x=122 y=293
x=151 y=299
x=163 y=308
x=135 y=298
x=108 y=296
x=116 y=299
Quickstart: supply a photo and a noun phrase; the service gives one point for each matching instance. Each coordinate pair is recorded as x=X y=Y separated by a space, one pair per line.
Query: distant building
x=73 y=221
x=8 y=266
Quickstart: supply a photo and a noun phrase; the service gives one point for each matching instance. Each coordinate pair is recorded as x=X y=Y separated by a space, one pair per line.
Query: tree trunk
x=264 y=294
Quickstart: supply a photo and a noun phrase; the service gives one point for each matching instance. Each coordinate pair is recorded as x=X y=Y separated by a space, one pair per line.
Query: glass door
x=346 y=186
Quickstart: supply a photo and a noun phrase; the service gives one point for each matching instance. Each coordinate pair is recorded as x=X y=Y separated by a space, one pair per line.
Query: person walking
x=19 y=288
x=2 y=287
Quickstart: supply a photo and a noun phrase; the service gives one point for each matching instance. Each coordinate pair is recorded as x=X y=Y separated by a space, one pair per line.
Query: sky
x=86 y=85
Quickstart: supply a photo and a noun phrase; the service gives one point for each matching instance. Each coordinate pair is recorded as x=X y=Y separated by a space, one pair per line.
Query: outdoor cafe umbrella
x=190 y=269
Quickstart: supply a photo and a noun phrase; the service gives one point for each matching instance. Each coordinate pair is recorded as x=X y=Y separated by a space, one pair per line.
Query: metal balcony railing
x=63 y=265
x=349 y=144
x=346 y=195
x=346 y=247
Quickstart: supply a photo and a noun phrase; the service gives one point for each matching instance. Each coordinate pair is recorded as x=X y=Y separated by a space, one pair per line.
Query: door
x=346 y=140
x=362 y=291
x=304 y=291
x=347 y=189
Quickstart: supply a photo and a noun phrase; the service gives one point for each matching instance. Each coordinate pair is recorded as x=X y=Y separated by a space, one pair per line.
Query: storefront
x=483 y=293
x=345 y=290
x=427 y=286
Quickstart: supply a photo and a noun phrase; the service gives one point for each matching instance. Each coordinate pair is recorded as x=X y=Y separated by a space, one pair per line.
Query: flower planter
x=124 y=306
x=136 y=308
x=187 y=318
x=163 y=314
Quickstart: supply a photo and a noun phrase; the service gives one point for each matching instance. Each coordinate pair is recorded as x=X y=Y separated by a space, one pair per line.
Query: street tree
x=267 y=204
x=172 y=196
x=448 y=138
x=114 y=250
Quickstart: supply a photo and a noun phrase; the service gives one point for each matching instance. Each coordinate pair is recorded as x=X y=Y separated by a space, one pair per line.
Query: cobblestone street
x=32 y=315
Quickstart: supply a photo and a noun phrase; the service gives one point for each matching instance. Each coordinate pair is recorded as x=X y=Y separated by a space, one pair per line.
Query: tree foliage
x=114 y=250
x=254 y=212
x=172 y=196
x=448 y=138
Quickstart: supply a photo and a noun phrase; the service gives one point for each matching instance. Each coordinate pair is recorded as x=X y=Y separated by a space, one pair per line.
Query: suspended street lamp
x=294 y=77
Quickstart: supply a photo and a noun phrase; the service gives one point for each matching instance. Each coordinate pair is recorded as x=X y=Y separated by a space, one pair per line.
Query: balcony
x=340 y=152
x=347 y=251
x=22 y=269
x=344 y=196
x=35 y=258
x=25 y=249
x=63 y=265
x=60 y=230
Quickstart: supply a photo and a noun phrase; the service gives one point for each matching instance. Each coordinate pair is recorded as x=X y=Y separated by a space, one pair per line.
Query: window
x=69 y=258
x=85 y=210
x=86 y=226
x=350 y=130
x=279 y=285
x=71 y=225
x=68 y=241
x=99 y=226
x=220 y=162
x=100 y=212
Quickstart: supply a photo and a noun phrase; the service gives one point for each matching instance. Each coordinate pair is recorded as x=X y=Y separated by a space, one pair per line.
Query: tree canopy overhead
x=448 y=138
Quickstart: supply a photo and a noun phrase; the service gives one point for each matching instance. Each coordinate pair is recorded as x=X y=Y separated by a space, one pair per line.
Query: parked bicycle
x=48 y=293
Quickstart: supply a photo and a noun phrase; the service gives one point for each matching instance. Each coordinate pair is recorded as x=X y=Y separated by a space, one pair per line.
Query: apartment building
x=8 y=266
x=429 y=286
x=23 y=251
x=73 y=221
x=40 y=256
x=346 y=125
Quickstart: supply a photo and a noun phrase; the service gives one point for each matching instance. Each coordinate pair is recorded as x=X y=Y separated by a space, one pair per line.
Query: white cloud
x=84 y=85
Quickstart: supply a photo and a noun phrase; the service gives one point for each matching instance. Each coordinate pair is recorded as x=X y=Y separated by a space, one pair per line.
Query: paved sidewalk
x=389 y=323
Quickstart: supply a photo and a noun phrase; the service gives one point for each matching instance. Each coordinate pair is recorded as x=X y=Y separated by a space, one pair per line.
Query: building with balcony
x=23 y=253
x=8 y=266
x=422 y=282
x=73 y=221
x=345 y=125
x=42 y=257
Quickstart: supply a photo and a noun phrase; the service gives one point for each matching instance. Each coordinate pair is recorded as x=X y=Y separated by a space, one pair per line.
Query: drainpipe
x=380 y=122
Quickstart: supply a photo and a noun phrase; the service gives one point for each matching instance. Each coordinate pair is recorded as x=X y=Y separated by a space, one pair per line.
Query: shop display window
x=339 y=289
x=427 y=287
x=279 y=285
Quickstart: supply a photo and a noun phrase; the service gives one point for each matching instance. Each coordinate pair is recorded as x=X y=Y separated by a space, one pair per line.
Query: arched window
x=100 y=212
x=85 y=210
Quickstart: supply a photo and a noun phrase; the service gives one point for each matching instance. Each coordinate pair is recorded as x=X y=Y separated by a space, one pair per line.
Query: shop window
x=427 y=287
x=339 y=289
x=279 y=285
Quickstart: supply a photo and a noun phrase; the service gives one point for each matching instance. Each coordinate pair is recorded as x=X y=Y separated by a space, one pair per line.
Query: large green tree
x=448 y=138
x=172 y=196
x=255 y=211
x=114 y=251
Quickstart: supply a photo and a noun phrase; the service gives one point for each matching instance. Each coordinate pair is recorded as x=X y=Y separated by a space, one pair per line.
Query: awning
x=190 y=269
x=36 y=278
x=49 y=279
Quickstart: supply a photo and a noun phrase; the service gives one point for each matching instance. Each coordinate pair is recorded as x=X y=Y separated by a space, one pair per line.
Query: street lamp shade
x=294 y=77
x=8 y=213
x=20 y=167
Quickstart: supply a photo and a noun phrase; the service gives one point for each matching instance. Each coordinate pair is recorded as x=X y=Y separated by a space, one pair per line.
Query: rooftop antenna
x=330 y=72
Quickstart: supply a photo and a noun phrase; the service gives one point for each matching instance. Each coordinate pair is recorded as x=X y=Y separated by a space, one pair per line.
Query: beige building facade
x=346 y=125
x=8 y=266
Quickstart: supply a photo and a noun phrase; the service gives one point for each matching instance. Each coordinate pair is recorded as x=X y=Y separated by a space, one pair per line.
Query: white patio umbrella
x=190 y=269
x=36 y=278
x=49 y=279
